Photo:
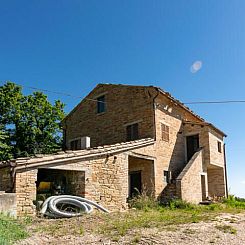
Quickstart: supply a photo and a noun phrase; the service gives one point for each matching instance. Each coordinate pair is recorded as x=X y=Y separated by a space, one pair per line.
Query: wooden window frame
x=101 y=107
x=74 y=144
x=219 y=145
x=166 y=176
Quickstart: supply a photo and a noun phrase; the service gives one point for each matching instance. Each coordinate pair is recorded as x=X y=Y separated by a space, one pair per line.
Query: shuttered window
x=165 y=132
x=132 y=132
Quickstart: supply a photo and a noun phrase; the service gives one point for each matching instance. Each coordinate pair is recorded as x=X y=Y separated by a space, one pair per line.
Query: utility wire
x=79 y=97
x=57 y=92
x=215 y=102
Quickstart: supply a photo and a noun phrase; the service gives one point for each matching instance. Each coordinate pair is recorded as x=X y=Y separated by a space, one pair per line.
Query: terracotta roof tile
x=83 y=154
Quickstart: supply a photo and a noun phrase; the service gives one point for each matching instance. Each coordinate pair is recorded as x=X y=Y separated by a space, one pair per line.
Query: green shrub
x=234 y=202
x=143 y=202
x=180 y=204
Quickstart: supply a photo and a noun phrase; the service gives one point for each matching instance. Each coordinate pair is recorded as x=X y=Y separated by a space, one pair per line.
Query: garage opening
x=60 y=182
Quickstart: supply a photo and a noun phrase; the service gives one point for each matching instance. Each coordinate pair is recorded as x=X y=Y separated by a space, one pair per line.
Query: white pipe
x=49 y=207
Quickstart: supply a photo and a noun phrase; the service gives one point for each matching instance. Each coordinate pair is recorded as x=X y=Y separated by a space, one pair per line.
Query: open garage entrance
x=60 y=182
x=141 y=176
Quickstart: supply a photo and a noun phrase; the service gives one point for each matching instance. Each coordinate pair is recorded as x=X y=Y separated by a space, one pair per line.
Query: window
x=219 y=147
x=166 y=176
x=165 y=132
x=132 y=132
x=75 y=144
x=101 y=104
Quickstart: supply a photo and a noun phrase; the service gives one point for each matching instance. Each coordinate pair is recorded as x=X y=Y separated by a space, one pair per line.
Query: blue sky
x=72 y=45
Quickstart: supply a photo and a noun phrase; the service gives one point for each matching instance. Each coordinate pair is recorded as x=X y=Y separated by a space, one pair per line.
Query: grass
x=122 y=223
x=235 y=202
x=11 y=230
x=145 y=212
x=149 y=213
x=226 y=229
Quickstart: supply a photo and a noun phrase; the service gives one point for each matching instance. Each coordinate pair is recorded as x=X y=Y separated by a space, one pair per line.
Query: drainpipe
x=64 y=127
x=226 y=182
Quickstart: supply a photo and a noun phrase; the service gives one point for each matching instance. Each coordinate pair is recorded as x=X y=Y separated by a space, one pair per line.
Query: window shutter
x=132 y=132
x=165 y=132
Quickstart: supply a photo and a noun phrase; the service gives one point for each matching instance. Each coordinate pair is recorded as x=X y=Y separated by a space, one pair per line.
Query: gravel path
x=223 y=230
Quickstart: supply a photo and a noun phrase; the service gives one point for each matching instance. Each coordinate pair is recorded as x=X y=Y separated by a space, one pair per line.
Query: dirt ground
x=224 y=229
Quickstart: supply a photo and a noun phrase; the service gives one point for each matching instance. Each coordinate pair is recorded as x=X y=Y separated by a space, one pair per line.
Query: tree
x=5 y=148
x=32 y=122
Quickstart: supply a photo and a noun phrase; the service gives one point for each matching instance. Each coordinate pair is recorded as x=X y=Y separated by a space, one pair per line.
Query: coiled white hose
x=84 y=205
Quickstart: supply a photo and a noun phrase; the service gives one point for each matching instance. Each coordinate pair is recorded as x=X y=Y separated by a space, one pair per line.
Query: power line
x=79 y=97
x=215 y=102
x=57 y=92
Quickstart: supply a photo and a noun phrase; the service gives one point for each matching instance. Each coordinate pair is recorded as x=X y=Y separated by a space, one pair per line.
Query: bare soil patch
x=225 y=228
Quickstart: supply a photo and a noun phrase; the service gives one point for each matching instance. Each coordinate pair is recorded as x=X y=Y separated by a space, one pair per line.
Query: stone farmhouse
x=121 y=140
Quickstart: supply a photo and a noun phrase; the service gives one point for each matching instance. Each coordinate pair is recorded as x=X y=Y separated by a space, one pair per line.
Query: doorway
x=203 y=184
x=135 y=183
x=192 y=145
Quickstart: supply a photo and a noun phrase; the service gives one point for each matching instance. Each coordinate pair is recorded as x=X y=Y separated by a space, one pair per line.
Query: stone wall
x=124 y=105
x=189 y=187
x=105 y=180
x=171 y=155
x=25 y=188
x=8 y=203
x=216 y=157
x=108 y=182
x=129 y=104
x=216 y=182
x=5 y=179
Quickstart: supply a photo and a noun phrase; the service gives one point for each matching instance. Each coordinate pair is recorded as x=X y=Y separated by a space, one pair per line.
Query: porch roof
x=206 y=124
x=69 y=155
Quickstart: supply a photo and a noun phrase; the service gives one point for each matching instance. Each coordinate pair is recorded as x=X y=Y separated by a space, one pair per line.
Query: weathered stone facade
x=150 y=108
x=105 y=178
x=124 y=105
x=188 y=183
x=25 y=189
